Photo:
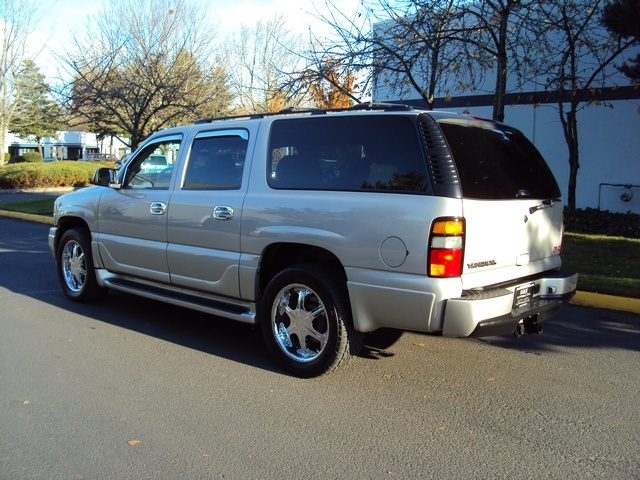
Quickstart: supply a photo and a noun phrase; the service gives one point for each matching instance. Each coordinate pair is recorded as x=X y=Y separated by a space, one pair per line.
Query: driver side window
x=153 y=166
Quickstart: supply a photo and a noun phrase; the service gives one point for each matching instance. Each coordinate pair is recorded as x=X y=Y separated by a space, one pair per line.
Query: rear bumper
x=492 y=312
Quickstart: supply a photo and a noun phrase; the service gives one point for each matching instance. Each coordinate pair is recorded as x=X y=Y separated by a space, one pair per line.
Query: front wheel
x=306 y=321
x=74 y=263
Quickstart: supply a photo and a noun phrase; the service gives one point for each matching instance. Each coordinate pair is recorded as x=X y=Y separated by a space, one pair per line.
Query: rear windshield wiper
x=545 y=204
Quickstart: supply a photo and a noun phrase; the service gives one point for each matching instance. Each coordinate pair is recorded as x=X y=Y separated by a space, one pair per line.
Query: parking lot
x=129 y=388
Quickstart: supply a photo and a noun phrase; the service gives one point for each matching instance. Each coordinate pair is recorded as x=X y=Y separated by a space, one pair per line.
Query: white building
x=68 y=145
x=609 y=134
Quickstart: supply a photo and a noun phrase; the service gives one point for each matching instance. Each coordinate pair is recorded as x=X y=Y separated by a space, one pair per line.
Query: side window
x=216 y=161
x=153 y=166
x=356 y=153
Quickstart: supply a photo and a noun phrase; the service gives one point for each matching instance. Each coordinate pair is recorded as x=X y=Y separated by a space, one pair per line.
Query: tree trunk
x=570 y=127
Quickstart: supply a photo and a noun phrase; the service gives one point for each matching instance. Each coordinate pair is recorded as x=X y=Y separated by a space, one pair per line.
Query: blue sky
x=61 y=16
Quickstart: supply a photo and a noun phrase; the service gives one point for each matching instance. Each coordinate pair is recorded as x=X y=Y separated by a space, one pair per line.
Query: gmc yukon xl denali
x=322 y=225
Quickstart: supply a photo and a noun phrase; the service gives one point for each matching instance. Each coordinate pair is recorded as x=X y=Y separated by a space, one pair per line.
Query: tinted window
x=216 y=163
x=347 y=153
x=496 y=162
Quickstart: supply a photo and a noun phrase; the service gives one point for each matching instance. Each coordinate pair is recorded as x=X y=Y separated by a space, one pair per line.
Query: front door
x=133 y=219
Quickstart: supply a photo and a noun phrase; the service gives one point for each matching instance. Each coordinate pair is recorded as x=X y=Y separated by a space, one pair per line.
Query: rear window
x=354 y=153
x=497 y=162
x=157 y=160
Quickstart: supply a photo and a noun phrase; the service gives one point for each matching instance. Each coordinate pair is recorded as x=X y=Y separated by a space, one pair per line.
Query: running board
x=202 y=302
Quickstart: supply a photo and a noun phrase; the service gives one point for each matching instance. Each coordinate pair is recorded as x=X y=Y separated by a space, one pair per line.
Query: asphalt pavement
x=130 y=388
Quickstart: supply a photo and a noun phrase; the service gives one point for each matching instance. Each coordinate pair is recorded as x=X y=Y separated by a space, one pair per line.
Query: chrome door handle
x=223 y=212
x=158 y=208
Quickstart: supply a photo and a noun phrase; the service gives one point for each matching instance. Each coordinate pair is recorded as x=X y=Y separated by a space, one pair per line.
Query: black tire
x=74 y=262
x=314 y=344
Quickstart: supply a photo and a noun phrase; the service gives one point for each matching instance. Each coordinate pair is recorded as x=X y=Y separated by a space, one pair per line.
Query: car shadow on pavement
x=207 y=333
x=579 y=327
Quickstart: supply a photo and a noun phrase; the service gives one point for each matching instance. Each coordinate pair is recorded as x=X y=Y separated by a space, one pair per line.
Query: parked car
x=98 y=157
x=323 y=225
x=155 y=163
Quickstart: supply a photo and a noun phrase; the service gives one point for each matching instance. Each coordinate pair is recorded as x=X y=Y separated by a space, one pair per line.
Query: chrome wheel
x=74 y=264
x=306 y=320
x=74 y=269
x=299 y=323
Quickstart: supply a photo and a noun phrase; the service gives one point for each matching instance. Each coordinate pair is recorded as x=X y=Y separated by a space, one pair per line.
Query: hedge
x=47 y=175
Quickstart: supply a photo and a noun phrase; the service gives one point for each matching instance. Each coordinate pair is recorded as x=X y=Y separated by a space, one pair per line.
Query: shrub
x=28 y=157
x=33 y=157
x=40 y=175
x=598 y=222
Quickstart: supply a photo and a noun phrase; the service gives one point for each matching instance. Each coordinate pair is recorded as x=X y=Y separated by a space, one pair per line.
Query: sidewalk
x=585 y=299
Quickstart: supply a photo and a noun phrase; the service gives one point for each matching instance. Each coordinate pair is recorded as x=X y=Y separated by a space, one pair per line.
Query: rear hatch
x=511 y=203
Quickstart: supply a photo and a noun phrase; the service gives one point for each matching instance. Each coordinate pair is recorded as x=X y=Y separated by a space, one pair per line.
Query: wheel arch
x=278 y=256
x=67 y=223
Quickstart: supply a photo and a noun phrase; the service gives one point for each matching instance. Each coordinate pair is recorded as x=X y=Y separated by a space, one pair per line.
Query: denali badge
x=486 y=263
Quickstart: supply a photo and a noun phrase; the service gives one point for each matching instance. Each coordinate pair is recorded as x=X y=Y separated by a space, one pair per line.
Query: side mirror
x=105 y=177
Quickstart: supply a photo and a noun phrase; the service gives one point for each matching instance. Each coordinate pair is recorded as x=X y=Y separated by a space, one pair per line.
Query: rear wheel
x=306 y=321
x=74 y=263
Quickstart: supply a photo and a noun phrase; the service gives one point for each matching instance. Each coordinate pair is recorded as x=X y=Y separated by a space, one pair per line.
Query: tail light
x=446 y=248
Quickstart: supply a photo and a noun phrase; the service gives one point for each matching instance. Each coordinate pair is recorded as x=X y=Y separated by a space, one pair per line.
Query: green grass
x=609 y=265
x=38 y=206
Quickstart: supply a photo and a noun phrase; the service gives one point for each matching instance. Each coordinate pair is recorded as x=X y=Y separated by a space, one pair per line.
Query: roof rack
x=313 y=111
x=381 y=106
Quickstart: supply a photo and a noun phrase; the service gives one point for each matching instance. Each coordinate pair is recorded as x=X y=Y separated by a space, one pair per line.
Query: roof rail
x=313 y=111
x=381 y=106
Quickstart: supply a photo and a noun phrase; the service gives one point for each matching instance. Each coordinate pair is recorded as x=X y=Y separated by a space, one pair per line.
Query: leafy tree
x=36 y=115
x=622 y=17
x=143 y=65
x=333 y=91
x=18 y=19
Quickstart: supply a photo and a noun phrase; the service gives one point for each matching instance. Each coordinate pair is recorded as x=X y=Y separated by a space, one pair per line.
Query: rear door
x=204 y=216
x=511 y=203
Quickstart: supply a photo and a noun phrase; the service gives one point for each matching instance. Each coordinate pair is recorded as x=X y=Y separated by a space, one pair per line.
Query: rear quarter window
x=350 y=153
x=497 y=162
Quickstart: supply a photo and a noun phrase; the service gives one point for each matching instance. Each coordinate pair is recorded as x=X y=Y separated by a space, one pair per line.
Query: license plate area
x=523 y=296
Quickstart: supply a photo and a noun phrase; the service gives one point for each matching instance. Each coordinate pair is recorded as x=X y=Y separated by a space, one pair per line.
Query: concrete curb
x=45 y=190
x=610 y=302
x=584 y=299
x=27 y=216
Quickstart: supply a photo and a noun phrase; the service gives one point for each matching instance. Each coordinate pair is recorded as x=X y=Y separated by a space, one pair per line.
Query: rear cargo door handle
x=158 y=208
x=223 y=212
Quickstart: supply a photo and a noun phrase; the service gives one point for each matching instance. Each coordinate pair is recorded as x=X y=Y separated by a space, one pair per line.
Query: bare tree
x=143 y=65
x=580 y=53
x=18 y=20
x=260 y=59
x=497 y=31
x=402 y=47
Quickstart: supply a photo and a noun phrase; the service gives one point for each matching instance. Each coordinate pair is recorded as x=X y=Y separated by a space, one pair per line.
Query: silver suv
x=323 y=225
